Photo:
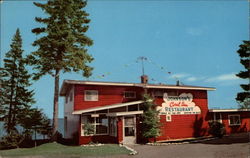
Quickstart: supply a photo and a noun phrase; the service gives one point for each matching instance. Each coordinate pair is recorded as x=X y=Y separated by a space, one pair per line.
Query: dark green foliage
x=62 y=44
x=150 y=118
x=12 y=140
x=16 y=99
x=244 y=53
x=15 y=95
x=88 y=129
x=34 y=121
x=216 y=129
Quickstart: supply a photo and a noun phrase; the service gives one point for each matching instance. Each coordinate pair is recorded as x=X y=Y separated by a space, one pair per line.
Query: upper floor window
x=234 y=120
x=91 y=95
x=129 y=94
x=71 y=96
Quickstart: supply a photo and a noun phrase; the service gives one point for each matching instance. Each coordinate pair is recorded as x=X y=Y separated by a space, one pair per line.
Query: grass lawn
x=58 y=150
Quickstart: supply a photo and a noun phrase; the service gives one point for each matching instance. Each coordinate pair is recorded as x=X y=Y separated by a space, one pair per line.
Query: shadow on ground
x=231 y=139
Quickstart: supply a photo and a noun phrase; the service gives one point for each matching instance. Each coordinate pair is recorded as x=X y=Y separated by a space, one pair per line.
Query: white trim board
x=125 y=113
x=107 y=107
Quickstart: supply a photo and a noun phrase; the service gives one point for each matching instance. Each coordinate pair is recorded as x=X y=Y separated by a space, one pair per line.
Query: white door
x=129 y=130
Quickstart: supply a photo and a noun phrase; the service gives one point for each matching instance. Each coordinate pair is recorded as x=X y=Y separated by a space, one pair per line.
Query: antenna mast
x=142 y=62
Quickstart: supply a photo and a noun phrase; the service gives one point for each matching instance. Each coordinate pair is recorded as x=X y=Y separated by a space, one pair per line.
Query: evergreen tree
x=150 y=119
x=62 y=44
x=15 y=96
x=243 y=98
x=34 y=121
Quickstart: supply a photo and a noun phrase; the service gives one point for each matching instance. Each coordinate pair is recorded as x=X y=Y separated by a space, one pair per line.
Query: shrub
x=88 y=129
x=12 y=140
x=216 y=129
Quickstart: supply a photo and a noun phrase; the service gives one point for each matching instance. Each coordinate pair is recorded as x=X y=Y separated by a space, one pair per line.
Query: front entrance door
x=129 y=130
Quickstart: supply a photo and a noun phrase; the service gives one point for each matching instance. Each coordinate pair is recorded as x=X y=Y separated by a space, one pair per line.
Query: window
x=234 y=120
x=129 y=94
x=99 y=124
x=158 y=93
x=71 y=96
x=66 y=99
x=217 y=117
x=65 y=124
x=91 y=95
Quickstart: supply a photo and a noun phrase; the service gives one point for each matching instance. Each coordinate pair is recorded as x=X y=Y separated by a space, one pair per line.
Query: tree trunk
x=10 y=123
x=55 y=112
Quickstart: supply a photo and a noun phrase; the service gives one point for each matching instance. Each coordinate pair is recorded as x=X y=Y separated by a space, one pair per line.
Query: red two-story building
x=113 y=111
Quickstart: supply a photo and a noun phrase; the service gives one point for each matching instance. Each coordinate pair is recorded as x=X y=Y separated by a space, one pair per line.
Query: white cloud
x=180 y=75
x=223 y=77
x=194 y=31
x=191 y=79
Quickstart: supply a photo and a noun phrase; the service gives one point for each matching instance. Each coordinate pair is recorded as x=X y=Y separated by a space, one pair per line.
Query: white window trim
x=97 y=97
x=129 y=92
x=229 y=123
x=82 y=128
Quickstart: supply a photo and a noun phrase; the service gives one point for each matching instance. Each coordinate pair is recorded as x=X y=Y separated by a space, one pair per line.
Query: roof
x=228 y=110
x=107 y=107
x=67 y=83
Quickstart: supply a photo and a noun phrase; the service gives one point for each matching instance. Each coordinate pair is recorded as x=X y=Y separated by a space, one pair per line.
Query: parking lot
x=236 y=146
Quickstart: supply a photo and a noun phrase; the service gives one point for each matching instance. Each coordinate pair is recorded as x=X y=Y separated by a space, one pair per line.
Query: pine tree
x=243 y=98
x=150 y=119
x=34 y=120
x=15 y=95
x=62 y=44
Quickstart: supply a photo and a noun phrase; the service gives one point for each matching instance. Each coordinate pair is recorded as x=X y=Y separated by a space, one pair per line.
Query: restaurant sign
x=178 y=105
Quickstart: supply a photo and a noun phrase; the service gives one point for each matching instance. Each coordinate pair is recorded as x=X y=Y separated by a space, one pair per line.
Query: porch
x=116 y=123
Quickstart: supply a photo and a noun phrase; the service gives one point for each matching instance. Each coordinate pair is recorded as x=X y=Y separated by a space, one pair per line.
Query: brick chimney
x=144 y=79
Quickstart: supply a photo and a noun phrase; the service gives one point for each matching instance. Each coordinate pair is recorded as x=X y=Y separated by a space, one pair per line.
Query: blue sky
x=194 y=40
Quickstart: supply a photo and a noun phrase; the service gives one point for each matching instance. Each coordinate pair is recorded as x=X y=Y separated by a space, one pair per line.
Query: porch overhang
x=106 y=107
x=125 y=113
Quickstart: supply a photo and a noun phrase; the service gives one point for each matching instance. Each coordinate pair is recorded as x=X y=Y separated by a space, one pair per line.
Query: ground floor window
x=234 y=120
x=94 y=125
x=218 y=117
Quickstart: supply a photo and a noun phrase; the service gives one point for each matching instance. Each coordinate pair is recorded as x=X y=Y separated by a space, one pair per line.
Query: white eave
x=179 y=87
x=228 y=110
x=106 y=107
x=66 y=84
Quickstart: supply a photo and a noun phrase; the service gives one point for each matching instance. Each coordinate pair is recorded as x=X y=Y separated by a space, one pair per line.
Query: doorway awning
x=106 y=107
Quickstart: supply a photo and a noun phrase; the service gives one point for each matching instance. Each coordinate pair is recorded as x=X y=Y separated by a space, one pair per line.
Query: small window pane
x=101 y=129
x=129 y=94
x=129 y=121
x=129 y=131
x=234 y=120
x=91 y=95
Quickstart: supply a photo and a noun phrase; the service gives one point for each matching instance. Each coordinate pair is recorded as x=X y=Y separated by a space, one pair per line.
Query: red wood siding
x=97 y=139
x=119 y=130
x=185 y=126
x=107 y=95
x=245 y=122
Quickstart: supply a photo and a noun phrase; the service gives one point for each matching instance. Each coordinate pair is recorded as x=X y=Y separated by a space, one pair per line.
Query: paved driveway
x=234 y=146
x=193 y=151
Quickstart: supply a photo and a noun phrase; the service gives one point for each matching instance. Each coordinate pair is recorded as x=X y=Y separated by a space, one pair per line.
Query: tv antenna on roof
x=142 y=59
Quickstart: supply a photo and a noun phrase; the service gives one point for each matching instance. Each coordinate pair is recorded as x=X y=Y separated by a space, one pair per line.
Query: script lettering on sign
x=178 y=105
